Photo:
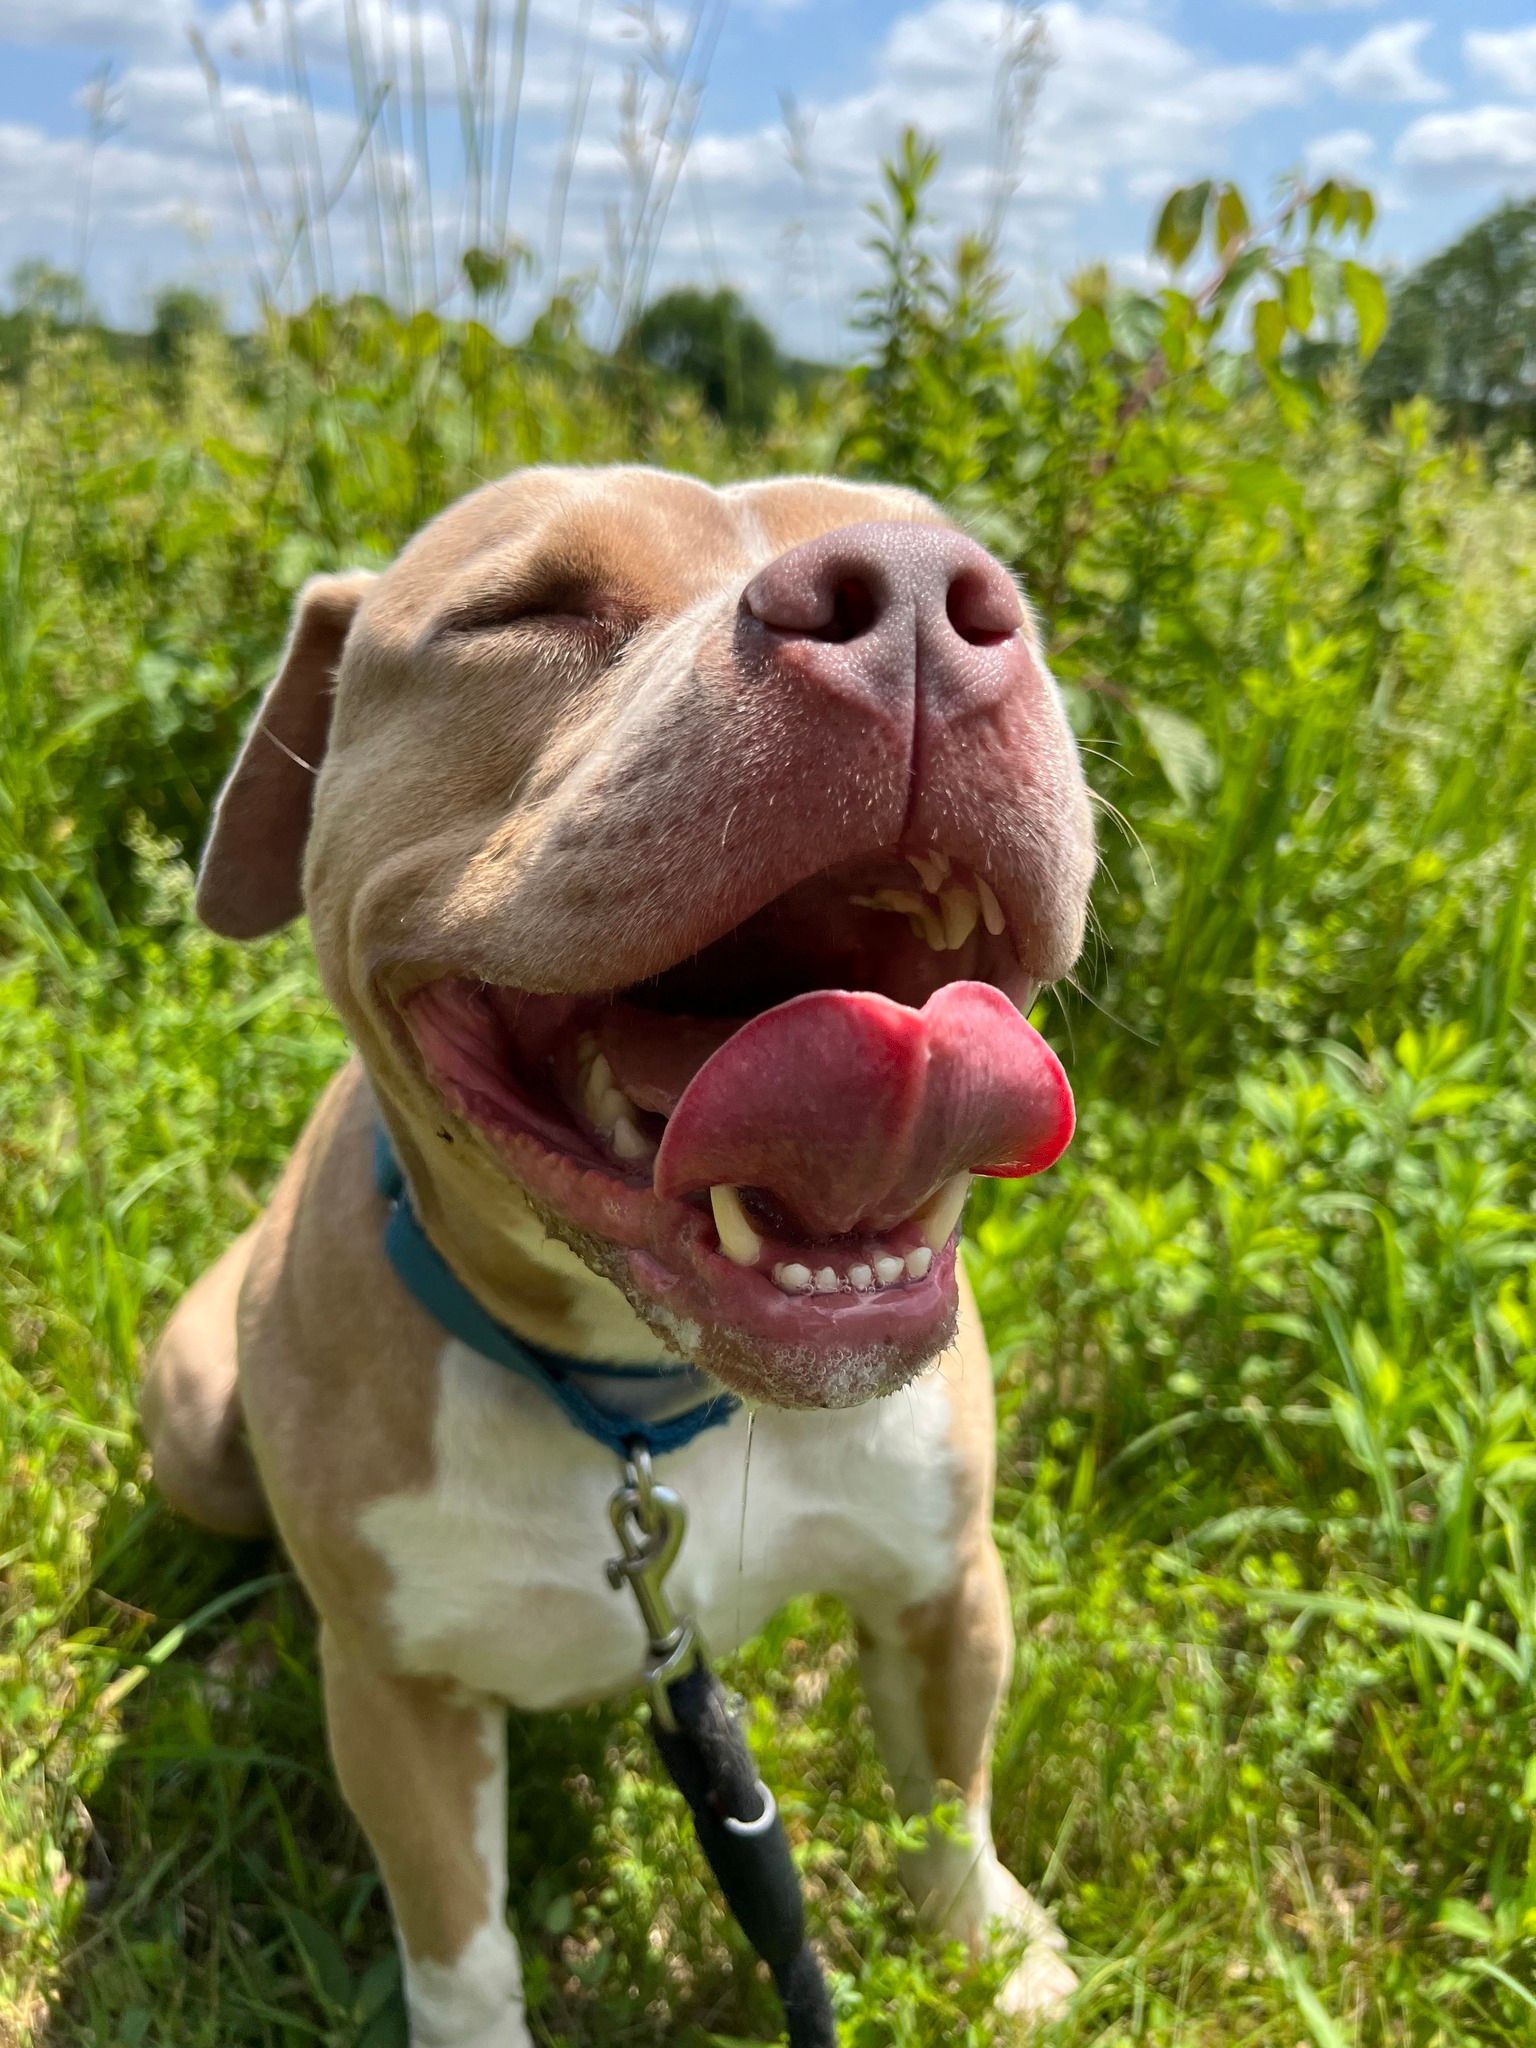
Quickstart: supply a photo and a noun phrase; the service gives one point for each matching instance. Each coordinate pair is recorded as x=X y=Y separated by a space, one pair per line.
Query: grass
x=1266 y=1341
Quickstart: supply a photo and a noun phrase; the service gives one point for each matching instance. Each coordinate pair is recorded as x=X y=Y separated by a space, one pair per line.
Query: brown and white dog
x=682 y=862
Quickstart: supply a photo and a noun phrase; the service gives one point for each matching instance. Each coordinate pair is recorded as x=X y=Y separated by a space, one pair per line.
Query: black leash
x=706 y=1754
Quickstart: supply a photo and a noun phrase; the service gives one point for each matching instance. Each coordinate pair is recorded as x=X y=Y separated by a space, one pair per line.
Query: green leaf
x=1231 y=218
x=387 y=2029
x=1269 y=330
x=1182 y=749
x=1368 y=296
x=322 y=1951
x=1178 y=227
x=1296 y=294
x=1461 y=1917
x=1088 y=331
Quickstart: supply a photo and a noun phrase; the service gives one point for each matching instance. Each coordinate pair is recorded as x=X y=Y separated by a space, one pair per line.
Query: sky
x=147 y=142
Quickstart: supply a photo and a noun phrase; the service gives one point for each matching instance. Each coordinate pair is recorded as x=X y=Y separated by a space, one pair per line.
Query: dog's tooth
x=906 y=900
x=595 y=1084
x=629 y=1141
x=861 y=1277
x=991 y=910
x=586 y=1051
x=889 y=1270
x=961 y=910
x=932 y=868
x=918 y=1262
x=614 y=1106
x=937 y=1219
x=792 y=1277
x=924 y=920
x=826 y=1281
x=738 y=1240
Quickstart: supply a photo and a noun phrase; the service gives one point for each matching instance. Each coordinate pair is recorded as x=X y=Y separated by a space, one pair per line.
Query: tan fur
x=963 y=1640
x=409 y=1760
x=527 y=836
x=190 y=1406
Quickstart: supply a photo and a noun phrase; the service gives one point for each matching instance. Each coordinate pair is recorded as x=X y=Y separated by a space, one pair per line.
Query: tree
x=711 y=341
x=180 y=315
x=1463 y=329
x=41 y=290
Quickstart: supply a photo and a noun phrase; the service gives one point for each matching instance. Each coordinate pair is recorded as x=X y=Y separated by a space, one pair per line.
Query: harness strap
x=427 y=1275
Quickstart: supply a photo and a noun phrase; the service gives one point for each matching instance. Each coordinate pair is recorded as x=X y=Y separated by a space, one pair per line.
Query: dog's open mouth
x=772 y=1141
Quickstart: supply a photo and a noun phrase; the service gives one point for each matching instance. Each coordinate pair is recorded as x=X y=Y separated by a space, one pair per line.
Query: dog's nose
x=864 y=609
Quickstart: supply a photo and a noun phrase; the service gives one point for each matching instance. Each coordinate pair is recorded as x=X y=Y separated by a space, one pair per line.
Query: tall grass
x=1267 y=1338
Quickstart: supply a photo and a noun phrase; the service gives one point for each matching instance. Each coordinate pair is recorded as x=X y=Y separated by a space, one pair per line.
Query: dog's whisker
x=741 y=1533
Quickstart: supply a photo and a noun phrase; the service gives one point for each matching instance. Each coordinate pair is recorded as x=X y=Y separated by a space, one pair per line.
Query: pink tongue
x=852 y=1109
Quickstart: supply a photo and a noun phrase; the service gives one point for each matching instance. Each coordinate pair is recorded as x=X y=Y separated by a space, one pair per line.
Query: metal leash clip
x=650 y=1521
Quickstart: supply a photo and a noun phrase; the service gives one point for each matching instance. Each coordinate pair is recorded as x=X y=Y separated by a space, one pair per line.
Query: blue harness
x=427 y=1276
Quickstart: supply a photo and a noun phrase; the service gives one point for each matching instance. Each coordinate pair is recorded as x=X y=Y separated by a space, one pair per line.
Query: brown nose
x=867 y=608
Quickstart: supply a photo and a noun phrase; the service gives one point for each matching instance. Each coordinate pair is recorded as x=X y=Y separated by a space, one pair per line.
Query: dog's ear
x=251 y=877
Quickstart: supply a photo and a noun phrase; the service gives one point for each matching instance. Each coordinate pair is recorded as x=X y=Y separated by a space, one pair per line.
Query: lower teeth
x=791 y=1277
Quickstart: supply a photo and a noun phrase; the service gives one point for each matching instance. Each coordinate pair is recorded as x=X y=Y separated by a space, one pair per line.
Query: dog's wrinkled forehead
x=648 y=544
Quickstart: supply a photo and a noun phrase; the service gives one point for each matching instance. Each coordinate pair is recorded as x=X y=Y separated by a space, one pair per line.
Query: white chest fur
x=497 y=1567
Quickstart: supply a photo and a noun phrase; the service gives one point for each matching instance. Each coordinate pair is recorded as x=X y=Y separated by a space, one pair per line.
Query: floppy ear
x=250 y=880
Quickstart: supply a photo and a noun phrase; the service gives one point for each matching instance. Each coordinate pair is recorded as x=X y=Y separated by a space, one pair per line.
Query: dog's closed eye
x=569 y=608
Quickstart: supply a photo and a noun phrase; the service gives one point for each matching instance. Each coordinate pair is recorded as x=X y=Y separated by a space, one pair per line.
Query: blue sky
x=1433 y=105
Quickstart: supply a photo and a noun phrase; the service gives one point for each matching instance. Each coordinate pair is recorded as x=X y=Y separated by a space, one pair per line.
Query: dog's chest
x=497 y=1568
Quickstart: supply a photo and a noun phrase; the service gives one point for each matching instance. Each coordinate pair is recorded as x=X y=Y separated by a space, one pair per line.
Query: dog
x=683 y=863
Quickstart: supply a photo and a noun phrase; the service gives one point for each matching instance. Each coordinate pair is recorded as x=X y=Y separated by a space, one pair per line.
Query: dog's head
x=684 y=861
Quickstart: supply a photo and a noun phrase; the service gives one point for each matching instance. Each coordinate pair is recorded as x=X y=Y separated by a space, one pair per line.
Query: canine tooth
x=961 y=910
x=861 y=1277
x=586 y=1051
x=932 y=868
x=629 y=1141
x=907 y=900
x=614 y=1106
x=826 y=1281
x=919 y=1261
x=595 y=1084
x=793 y=1277
x=991 y=909
x=925 y=924
x=738 y=1240
x=889 y=1269
x=937 y=1221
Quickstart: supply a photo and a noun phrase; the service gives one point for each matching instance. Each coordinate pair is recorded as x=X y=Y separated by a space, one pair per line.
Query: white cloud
x=1384 y=65
x=1481 y=145
x=1343 y=154
x=106 y=25
x=172 y=103
x=1507 y=59
x=397 y=41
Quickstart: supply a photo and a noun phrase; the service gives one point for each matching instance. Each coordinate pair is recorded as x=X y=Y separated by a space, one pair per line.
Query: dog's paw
x=992 y=1911
x=1040 y=1986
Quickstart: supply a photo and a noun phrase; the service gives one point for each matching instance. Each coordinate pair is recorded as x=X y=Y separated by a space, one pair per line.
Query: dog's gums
x=775 y=1137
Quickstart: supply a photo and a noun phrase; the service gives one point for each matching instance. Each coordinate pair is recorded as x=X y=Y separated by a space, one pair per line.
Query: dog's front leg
x=425 y=1770
x=934 y=1675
